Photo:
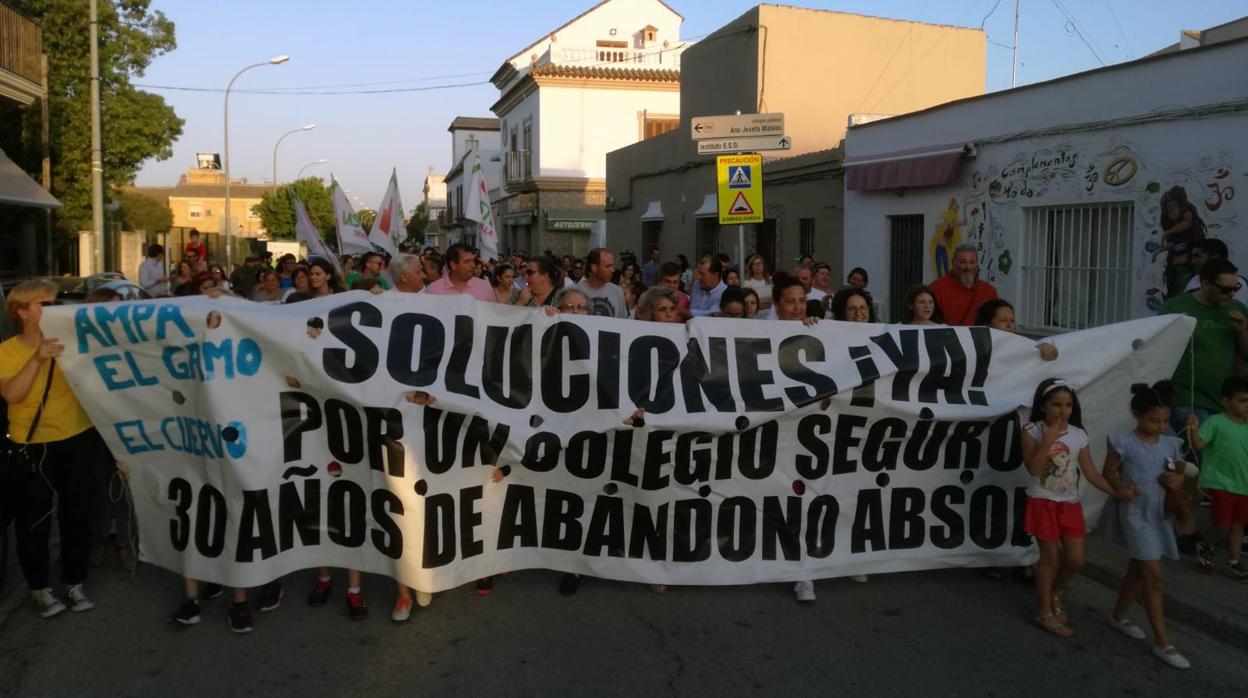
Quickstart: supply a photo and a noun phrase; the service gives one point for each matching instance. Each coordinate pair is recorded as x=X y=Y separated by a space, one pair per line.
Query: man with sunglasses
x=1207 y=250
x=1219 y=340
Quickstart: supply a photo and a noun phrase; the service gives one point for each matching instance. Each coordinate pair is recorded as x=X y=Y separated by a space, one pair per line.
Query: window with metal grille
x=905 y=260
x=706 y=236
x=1076 y=264
x=806 y=237
x=651 y=234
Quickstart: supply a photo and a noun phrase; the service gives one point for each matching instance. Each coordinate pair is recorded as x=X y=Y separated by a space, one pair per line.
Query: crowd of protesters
x=1207 y=405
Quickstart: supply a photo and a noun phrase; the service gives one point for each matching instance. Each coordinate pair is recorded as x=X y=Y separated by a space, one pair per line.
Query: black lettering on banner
x=868 y=523
x=905 y=358
x=725 y=453
x=699 y=377
x=387 y=537
x=693 y=458
x=469 y=520
x=821 y=526
x=953 y=533
x=652 y=475
x=302 y=515
x=923 y=447
x=345 y=505
x=622 y=458
x=691 y=541
x=256 y=511
x=441 y=436
x=981 y=339
x=906 y=529
x=561 y=526
x=989 y=517
x=868 y=373
x=814 y=465
x=946 y=367
x=1021 y=537
x=439 y=543
x=456 y=379
x=735 y=527
x=555 y=367
x=608 y=370
x=606 y=528
x=180 y=525
x=385 y=444
x=752 y=378
x=344 y=431
x=518 y=519
x=782 y=527
x=210 y=518
x=846 y=440
x=790 y=356
x=649 y=389
x=300 y=413
x=520 y=375
x=1005 y=449
x=342 y=327
x=587 y=454
x=648 y=538
x=883 y=445
x=962 y=450
x=402 y=349
x=480 y=443
x=541 y=452
x=757 y=451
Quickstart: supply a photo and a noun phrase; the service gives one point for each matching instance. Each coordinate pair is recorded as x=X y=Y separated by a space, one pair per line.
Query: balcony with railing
x=519 y=166
x=21 y=48
x=606 y=56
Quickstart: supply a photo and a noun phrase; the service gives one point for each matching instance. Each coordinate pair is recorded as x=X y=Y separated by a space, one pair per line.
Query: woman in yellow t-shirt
x=60 y=447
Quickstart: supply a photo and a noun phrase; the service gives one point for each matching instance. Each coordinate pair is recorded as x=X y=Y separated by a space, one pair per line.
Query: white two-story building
x=606 y=79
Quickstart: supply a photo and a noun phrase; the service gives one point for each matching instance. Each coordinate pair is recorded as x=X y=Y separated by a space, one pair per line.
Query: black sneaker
x=187 y=613
x=211 y=591
x=569 y=583
x=241 y=622
x=1204 y=556
x=485 y=585
x=270 y=596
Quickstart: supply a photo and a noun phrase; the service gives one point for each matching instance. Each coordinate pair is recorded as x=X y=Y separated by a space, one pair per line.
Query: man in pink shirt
x=460 y=276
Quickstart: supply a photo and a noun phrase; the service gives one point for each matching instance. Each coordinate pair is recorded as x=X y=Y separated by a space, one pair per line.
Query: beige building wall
x=817 y=67
x=211 y=211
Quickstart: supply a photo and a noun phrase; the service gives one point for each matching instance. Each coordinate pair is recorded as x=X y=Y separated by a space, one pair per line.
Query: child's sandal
x=1059 y=609
x=1056 y=628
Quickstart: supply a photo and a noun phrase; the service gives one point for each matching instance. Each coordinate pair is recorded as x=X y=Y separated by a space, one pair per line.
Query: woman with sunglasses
x=541 y=278
x=46 y=419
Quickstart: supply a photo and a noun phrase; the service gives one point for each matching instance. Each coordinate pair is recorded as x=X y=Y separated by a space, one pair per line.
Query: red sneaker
x=320 y=593
x=355 y=606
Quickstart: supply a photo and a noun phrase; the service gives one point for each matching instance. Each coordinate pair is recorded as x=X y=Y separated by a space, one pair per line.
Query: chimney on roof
x=1189 y=38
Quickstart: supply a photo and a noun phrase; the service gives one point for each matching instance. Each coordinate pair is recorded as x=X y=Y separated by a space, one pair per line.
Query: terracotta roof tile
x=555 y=70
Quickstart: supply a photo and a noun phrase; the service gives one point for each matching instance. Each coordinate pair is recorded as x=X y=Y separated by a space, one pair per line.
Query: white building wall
x=486 y=141
x=528 y=109
x=987 y=206
x=581 y=125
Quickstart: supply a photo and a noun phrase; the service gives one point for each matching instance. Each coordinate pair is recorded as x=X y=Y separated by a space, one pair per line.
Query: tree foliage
x=366 y=216
x=135 y=125
x=142 y=212
x=277 y=209
x=416 y=224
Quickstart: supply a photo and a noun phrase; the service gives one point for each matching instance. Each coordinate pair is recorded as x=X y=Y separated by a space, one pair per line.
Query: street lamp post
x=309 y=127
x=322 y=161
x=229 y=229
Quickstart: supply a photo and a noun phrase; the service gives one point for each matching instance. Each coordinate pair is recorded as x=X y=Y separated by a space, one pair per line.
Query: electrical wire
x=1074 y=26
x=1125 y=40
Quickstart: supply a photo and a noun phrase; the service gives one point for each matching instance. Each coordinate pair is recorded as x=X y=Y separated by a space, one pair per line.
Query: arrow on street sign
x=749 y=144
x=737 y=125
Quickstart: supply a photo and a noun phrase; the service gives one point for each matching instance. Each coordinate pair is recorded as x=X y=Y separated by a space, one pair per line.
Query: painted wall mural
x=1173 y=207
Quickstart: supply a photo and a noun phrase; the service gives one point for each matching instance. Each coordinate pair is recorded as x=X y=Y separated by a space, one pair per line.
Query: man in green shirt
x=371 y=264
x=1220 y=338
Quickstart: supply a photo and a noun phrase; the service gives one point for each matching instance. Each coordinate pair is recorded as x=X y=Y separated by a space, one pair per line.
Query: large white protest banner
x=266 y=439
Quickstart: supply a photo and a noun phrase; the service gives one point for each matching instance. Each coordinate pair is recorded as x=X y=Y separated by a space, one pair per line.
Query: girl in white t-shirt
x=1055 y=452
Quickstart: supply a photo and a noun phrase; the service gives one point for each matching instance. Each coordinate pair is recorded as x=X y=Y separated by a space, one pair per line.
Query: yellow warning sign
x=740 y=188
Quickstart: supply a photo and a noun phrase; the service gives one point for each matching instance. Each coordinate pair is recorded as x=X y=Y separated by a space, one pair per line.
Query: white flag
x=477 y=208
x=351 y=235
x=388 y=229
x=307 y=234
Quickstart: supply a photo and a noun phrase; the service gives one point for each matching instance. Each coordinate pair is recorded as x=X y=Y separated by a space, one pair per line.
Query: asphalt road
x=932 y=634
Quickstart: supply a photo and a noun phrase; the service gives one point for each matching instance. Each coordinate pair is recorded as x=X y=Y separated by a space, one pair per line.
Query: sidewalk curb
x=1220 y=627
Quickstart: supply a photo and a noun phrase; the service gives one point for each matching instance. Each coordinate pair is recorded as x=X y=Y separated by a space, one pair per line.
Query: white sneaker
x=860 y=578
x=1126 y=627
x=46 y=603
x=423 y=599
x=1171 y=656
x=78 y=601
x=804 y=592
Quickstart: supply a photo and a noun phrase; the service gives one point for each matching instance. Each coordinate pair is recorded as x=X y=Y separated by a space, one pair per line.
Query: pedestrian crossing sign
x=740 y=179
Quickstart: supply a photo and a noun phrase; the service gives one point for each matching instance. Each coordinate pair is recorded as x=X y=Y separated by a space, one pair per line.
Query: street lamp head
x=279 y=59
x=309 y=127
x=322 y=161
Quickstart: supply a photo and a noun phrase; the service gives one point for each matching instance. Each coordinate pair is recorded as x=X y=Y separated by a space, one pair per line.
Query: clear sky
x=418 y=43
